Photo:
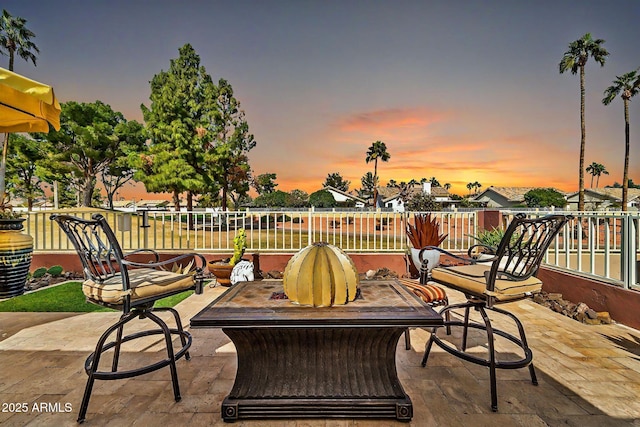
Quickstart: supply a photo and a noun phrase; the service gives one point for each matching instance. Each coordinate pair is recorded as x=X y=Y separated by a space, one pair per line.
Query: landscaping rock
x=580 y=312
x=274 y=274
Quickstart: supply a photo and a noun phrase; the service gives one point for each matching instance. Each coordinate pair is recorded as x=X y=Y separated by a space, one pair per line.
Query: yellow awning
x=26 y=105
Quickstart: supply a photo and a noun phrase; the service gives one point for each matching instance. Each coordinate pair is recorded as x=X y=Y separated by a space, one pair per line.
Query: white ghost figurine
x=242 y=272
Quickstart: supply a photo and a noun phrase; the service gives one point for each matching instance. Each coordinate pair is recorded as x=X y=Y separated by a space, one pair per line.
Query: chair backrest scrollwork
x=96 y=245
x=523 y=247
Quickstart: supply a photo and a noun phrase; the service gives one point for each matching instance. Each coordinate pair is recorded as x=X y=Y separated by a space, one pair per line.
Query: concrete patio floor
x=588 y=376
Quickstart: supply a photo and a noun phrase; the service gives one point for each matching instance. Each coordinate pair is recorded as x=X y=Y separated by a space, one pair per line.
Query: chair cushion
x=427 y=293
x=145 y=283
x=471 y=279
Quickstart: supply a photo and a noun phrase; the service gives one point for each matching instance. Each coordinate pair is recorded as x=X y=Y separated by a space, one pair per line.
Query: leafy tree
x=404 y=189
x=24 y=156
x=265 y=183
x=274 y=199
x=434 y=182
x=378 y=150
x=625 y=86
x=574 y=60
x=474 y=185
x=596 y=169
x=368 y=186
x=298 y=199
x=180 y=124
x=544 y=198
x=335 y=180
x=232 y=144
x=89 y=141
x=423 y=202
x=122 y=169
x=322 y=199
x=392 y=183
x=630 y=183
x=15 y=37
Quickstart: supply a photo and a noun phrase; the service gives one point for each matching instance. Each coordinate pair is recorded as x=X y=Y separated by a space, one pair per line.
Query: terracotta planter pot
x=16 y=249
x=221 y=270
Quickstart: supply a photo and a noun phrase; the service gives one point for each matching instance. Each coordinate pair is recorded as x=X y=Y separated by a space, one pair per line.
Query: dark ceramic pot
x=16 y=249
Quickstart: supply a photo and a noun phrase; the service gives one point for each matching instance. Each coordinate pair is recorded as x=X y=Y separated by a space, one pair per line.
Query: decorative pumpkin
x=320 y=275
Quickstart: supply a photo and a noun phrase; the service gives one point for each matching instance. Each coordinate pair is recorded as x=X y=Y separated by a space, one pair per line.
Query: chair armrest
x=141 y=251
x=482 y=249
x=451 y=255
x=157 y=264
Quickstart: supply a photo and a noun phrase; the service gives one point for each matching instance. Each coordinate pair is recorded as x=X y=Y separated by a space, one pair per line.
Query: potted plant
x=424 y=232
x=16 y=249
x=222 y=268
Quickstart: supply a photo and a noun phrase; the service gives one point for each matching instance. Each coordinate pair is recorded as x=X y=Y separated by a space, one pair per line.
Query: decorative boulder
x=320 y=275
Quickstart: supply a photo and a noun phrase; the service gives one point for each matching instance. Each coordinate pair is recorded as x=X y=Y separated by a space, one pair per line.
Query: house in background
x=389 y=197
x=343 y=198
x=603 y=198
x=504 y=197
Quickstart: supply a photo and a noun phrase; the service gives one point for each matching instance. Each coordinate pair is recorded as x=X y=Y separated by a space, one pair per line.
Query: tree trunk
x=190 y=209
x=625 y=173
x=224 y=198
x=176 y=200
x=87 y=191
x=582 y=143
x=375 y=183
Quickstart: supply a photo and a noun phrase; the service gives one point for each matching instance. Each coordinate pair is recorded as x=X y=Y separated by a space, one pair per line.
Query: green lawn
x=68 y=297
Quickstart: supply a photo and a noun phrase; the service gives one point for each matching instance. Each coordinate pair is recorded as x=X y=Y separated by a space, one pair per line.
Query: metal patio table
x=305 y=362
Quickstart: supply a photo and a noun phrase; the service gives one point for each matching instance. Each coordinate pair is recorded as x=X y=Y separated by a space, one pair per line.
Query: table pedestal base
x=334 y=372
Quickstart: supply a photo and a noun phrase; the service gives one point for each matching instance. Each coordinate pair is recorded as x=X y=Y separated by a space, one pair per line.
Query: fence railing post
x=628 y=254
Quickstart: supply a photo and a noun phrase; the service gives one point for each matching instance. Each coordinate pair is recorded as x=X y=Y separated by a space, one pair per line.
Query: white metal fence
x=600 y=244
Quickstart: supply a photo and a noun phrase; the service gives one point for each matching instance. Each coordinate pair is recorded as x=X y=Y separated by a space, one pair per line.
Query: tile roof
x=388 y=193
x=613 y=193
x=514 y=194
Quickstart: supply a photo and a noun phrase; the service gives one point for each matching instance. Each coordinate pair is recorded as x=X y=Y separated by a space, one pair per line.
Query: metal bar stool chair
x=114 y=280
x=509 y=275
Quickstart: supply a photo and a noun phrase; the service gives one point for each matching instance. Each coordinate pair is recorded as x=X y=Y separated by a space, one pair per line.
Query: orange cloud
x=389 y=120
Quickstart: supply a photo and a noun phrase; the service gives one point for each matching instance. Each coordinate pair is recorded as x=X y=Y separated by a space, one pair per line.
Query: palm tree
x=477 y=186
x=470 y=186
x=626 y=86
x=574 y=60
x=378 y=150
x=16 y=38
x=447 y=186
x=596 y=169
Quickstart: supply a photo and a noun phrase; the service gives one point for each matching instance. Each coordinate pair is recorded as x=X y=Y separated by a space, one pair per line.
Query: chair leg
x=176 y=316
x=523 y=339
x=170 y=354
x=427 y=349
x=92 y=362
x=492 y=359
x=466 y=328
x=116 y=349
x=407 y=339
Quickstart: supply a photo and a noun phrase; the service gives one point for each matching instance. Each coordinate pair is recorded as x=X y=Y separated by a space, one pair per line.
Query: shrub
x=55 y=271
x=422 y=202
x=322 y=199
x=39 y=272
x=544 y=198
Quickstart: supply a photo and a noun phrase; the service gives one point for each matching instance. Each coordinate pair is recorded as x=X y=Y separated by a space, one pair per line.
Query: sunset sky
x=461 y=90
